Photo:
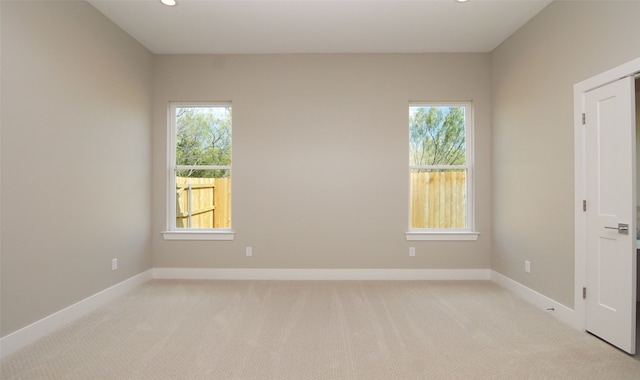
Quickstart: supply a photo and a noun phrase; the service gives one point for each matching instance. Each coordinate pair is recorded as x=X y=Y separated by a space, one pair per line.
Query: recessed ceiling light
x=169 y=3
x=461 y=1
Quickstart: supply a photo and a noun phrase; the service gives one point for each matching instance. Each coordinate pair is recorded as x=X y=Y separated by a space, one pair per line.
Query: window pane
x=203 y=199
x=437 y=135
x=438 y=198
x=203 y=135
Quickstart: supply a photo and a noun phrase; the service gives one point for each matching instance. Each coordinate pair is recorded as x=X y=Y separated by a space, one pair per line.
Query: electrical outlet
x=527 y=266
x=114 y=264
x=249 y=251
x=412 y=251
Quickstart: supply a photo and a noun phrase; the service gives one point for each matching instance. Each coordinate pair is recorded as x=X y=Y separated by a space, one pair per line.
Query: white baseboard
x=319 y=274
x=561 y=312
x=29 y=334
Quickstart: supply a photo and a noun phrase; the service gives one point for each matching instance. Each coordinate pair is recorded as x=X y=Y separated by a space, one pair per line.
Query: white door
x=611 y=212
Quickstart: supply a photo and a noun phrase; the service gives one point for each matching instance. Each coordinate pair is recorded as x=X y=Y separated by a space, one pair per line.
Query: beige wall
x=638 y=157
x=76 y=100
x=638 y=180
x=320 y=157
x=533 y=73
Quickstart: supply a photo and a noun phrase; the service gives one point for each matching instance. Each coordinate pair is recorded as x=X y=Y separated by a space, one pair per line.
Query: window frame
x=467 y=233
x=172 y=232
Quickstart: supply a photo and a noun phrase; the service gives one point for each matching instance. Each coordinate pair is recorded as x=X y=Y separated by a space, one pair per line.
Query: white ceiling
x=319 y=26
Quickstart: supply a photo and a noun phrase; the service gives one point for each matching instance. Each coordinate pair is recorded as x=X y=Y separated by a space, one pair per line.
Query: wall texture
x=76 y=136
x=533 y=73
x=320 y=157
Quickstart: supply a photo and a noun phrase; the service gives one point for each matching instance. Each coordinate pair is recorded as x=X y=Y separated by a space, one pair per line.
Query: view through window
x=440 y=167
x=201 y=161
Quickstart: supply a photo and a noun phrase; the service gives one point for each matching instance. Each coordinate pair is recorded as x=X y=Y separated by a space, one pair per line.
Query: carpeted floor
x=305 y=330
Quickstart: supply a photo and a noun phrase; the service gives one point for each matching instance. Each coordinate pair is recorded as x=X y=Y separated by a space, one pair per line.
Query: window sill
x=198 y=235
x=440 y=235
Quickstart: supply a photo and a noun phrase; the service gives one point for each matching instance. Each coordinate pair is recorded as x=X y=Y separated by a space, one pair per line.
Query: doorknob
x=623 y=228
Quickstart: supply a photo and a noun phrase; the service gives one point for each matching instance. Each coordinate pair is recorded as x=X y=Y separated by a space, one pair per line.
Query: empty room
x=309 y=189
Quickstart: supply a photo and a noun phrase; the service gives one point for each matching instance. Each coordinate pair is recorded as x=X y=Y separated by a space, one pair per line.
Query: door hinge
x=584 y=205
x=584 y=293
x=584 y=118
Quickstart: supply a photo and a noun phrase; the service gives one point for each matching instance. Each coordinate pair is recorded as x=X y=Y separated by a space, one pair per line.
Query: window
x=199 y=204
x=440 y=166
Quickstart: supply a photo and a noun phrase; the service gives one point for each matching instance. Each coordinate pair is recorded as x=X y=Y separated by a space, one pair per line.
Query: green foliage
x=203 y=137
x=437 y=136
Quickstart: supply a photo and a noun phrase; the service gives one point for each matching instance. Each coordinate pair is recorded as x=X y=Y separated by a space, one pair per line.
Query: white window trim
x=442 y=235
x=199 y=235
x=469 y=233
x=171 y=232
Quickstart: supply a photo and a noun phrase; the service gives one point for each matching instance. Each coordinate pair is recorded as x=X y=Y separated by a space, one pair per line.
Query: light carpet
x=299 y=330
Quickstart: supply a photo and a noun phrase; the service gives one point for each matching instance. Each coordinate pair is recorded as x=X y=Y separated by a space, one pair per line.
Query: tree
x=437 y=136
x=203 y=137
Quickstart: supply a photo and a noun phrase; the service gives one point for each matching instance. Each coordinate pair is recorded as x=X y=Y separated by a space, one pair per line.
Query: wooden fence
x=203 y=202
x=438 y=199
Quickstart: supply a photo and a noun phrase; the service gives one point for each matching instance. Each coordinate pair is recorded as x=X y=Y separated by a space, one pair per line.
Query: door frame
x=579 y=91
